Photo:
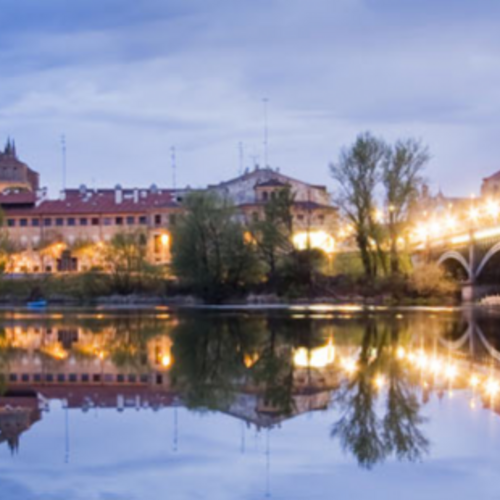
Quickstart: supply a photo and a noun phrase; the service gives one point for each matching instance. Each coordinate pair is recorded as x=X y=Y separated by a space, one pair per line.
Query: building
x=68 y=233
x=490 y=188
x=315 y=219
x=15 y=174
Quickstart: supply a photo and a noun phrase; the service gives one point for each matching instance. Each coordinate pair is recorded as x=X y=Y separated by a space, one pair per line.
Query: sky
x=125 y=81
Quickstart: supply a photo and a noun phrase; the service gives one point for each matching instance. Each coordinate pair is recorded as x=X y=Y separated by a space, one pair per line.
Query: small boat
x=37 y=304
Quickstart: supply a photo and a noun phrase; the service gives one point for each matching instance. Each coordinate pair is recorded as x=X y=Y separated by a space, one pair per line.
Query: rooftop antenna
x=174 y=167
x=268 y=464
x=241 y=153
x=63 y=151
x=176 y=430
x=265 y=100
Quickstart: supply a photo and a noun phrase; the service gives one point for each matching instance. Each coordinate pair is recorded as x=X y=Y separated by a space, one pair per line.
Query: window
x=12 y=377
x=130 y=220
x=85 y=377
x=143 y=220
x=61 y=377
x=25 y=377
x=84 y=221
x=157 y=219
x=119 y=221
x=59 y=222
x=273 y=195
x=96 y=377
x=71 y=221
x=35 y=222
x=255 y=216
x=300 y=217
x=37 y=377
x=132 y=378
x=157 y=243
x=73 y=377
x=265 y=195
x=120 y=378
x=47 y=222
x=49 y=377
x=11 y=222
x=95 y=221
x=23 y=222
x=106 y=221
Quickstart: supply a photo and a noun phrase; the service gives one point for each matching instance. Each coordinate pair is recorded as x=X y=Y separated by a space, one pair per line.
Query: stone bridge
x=473 y=257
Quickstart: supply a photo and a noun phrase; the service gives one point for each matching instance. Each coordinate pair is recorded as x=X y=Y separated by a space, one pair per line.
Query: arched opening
x=488 y=272
x=455 y=266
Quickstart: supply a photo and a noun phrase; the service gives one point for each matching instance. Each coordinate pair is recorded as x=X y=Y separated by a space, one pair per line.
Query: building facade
x=66 y=234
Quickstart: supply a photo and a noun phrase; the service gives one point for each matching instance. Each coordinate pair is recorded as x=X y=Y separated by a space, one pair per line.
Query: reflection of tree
x=209 y=354
x=274 y=371
x=128 y=347
x=361 y=431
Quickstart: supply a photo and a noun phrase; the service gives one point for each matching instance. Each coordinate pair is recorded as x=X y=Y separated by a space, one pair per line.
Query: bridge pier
x=472 y=292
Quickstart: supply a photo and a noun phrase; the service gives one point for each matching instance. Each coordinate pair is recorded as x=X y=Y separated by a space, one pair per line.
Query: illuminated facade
x=69 y=233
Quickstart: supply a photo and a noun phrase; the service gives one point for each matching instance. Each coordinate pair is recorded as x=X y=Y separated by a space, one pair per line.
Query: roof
x=18 y=198
x=83 y=202
x=271 y=183
x=260 y=171
x=493 y=177
x=304 y=205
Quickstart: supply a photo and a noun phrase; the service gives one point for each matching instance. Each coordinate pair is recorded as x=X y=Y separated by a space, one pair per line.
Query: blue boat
x=37 y=304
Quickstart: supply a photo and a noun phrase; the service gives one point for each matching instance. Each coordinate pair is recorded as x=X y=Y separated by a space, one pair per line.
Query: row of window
x=300 y=217
x=130 y=378
x=87 y=221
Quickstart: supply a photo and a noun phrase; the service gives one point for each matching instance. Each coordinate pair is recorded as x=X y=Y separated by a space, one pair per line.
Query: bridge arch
x=458 y=257
x=489 y=255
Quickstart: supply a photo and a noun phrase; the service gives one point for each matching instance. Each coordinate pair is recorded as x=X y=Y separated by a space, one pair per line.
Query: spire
x=10 y=148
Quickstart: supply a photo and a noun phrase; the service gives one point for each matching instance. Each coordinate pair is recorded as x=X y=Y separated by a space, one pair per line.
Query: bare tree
x=401 y=179
x=357 y=173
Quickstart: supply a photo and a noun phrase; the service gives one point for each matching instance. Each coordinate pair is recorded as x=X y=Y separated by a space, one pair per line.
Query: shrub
x=430 y=279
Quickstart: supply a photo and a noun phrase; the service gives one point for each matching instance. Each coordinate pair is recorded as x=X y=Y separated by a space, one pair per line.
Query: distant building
x=15 y=174
x=490 y=187
x=61 y=234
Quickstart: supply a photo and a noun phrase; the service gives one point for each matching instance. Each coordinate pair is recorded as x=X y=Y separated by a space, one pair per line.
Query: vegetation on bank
x=219 y=256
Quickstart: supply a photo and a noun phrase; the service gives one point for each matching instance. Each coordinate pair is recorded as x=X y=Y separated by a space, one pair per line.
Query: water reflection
x=376 y=370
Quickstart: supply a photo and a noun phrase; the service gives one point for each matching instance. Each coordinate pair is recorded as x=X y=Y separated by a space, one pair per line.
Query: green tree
x=273 y=234
x=401 y=179
x=126 y=260
x=357 y=173
x=210 y=253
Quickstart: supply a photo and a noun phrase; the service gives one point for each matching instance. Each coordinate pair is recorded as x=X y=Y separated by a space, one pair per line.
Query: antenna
x=63 y=151
x=265 y=100
x=174 y=167
x=241 y=152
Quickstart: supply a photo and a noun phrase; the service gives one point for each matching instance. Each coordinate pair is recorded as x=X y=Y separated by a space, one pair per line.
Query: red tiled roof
x=21 y=198
x=101 y=202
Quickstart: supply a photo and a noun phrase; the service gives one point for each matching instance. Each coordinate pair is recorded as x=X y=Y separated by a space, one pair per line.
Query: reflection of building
x=68 y=233
x=18 y=412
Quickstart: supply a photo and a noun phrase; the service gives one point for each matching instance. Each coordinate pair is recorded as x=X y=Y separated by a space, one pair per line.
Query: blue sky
x=127 y=80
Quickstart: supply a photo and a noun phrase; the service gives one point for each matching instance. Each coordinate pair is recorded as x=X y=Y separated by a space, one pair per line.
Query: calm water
x=299 y=404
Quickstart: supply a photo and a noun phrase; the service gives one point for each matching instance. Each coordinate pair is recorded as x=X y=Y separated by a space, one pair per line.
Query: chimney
x=118 y=194
x=62 y=196
x=136 y=195
x=83 y=189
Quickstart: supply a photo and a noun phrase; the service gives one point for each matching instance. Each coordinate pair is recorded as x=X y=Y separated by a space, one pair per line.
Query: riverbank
x=84 y=290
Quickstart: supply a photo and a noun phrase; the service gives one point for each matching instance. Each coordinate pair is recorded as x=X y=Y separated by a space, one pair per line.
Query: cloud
x=126 y=81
